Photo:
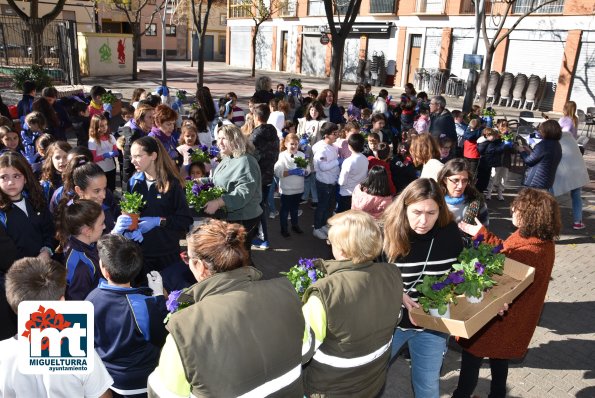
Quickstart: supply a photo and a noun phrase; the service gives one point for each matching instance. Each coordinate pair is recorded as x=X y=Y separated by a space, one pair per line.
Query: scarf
x=454 y=201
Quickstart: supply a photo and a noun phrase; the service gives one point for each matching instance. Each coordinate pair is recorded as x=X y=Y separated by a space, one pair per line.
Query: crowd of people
x=403 y=183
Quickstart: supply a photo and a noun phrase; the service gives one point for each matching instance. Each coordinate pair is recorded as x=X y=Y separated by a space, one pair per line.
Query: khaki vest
x=363 y=306
x=241 y=336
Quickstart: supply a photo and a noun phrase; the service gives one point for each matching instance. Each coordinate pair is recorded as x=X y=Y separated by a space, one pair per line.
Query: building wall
x=82 y=10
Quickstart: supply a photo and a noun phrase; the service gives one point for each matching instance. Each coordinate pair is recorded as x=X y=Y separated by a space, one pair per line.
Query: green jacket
x=363 y=306
x=240 y=177
x=241 y=333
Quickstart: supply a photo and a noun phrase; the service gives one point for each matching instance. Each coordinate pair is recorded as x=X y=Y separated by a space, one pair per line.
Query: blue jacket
x=491 y=152
x=25 y=106
x=129 y=333
x=171 y=205
x=335 y=115
x=542 y=164
x=29 y=232
x=82 y=268
x=443 y=123
x=110 y=210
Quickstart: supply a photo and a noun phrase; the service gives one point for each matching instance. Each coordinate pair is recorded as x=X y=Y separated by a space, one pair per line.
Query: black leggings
x=470 y=365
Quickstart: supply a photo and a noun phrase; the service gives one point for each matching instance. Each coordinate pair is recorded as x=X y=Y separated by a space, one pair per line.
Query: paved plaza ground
x=561 y=358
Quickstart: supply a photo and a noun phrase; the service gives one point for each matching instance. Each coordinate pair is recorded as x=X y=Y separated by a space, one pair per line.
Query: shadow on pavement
x=567 y=354
x=554 y=312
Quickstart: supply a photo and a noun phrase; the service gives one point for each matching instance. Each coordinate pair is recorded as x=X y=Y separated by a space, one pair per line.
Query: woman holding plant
x=536 y=215
x=421 y=238
x=352 y=323
x=166 y=215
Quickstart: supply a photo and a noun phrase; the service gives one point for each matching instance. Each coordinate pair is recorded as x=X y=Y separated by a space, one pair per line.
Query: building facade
x=556 y=42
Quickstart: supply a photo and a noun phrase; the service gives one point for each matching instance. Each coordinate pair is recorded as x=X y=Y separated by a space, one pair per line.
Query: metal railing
x=382 y=6
x=522 y=6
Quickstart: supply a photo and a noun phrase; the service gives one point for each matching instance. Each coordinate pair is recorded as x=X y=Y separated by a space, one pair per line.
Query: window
x=238 y=9
x=68 y=15
x=522 y=6
x=222 y=19
x=288 y=9
x=430 y=6
x=316 y=7
x=382 y=6
x=151 y=29
x=170 y=30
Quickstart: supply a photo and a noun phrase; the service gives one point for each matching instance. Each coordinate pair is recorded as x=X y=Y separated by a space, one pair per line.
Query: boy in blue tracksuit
x=129 y=329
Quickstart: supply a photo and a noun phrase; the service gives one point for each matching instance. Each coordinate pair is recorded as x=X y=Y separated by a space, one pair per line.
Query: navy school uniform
x=82 y=268
x=110 y=210
x=161 y=245
x=129 y=334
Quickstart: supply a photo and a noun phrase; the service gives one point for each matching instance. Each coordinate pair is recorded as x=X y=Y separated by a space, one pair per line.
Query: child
x=188 y=142
x=237 y=113
x=470 y=151
x=310 y=179
x=35 y=279
x=342 y=144
x=33 y=128
x=42 y=144
x=197 y=170
x=165 y=124
x=365 y=119
x=127 y=113
x=23 y=210
x=129 y=329
x=166 y=215
x=407 y=113
x=492 y=150
x=446 y=152
x=53 y=166
x=378 y=124
x=371 y=144
x=138 y=94
x=96 y=105
x=422 y=124
x=25 y=105
x=460 y=127
x=78 y=228
x=80 y=122
x=373 y=194
x=289 y=127
x=382 y=157
x=104 y=148
x=9 y=140
x=291 y=183
x=353 y=171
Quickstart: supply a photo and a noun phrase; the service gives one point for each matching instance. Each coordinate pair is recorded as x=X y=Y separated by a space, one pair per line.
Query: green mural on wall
x=105 y=53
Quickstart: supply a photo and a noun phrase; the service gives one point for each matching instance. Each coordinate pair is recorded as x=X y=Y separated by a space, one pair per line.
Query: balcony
x=382 y=6
x=430 y=7
x=468 y=6
x=289 y=9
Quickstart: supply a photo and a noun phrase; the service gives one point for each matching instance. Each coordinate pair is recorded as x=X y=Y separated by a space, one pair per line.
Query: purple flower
x=479 y=268
x=497 y=249
x=456 y=277
x=477 y=241
x=203 y=148
x=306 y=263
x=213 y=151
x=312 y=275
x=196 y=189
x=439 y=286
x=172 y=303
x=188 y=178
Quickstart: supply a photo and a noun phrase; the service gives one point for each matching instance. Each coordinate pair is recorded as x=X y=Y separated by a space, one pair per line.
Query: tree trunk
x=254 y=51
x=37 y=28
x=486 y=77
x=338 y=45
x=201 y=59
x=135 y=43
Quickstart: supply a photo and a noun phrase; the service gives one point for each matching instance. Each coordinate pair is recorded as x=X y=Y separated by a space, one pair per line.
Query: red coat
x=508 y=336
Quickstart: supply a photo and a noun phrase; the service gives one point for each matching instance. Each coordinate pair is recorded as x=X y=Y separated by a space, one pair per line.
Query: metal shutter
x=432 y=48
x=462 y=43
x=538 y=53
x=583 y=82
x=350 y=59
x=313 y=56
x=240 y=47
x=264 y=48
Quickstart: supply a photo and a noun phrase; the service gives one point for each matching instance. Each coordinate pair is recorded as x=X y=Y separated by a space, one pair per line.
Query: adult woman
x=165 y=124
x=44 y=106
x=421 y=238
x=140 y=125
x=205 y=100
x=332 y=111
x=339 y=306
x=279 y=109
x=239 y=174
x=257 y=323
x=537 y=216
x=263 y=93
x=425 y=152
x=410 y=92
x=543 y=160
x=571 y=173
x=463 y=200
x=309 y=125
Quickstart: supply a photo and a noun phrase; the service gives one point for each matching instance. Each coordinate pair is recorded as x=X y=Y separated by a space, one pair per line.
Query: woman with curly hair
x=536 y=214
x=425 y=152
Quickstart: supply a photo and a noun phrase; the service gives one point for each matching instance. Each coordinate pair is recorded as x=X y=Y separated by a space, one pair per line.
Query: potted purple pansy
x=175 y=302
x=303 y=274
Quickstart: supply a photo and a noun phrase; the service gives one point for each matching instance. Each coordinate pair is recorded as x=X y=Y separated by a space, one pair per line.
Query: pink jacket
x=373 y=205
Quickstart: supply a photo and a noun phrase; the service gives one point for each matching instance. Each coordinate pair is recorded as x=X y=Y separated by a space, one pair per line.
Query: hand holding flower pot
x=130 y=204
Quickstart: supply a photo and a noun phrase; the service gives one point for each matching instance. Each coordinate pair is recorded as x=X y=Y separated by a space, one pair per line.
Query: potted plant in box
x=130 y=204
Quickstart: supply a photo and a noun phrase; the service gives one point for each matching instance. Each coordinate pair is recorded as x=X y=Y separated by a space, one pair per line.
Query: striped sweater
x=446 y=248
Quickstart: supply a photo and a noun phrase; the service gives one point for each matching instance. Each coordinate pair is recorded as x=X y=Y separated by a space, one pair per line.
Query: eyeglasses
x=457 y=181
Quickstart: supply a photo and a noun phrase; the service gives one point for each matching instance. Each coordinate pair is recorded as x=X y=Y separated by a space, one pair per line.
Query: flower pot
x=473 y=299
x=116 y=107
x=134 y=216
x=434 y=312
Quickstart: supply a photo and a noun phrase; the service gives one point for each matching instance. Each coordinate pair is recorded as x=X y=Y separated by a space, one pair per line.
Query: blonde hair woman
x=569 y=122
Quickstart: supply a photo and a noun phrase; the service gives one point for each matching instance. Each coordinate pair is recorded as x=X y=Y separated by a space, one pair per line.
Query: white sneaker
x=500 y=196
x=320 y=234
x=324 y=229
x=273 y=214
x=300 y=212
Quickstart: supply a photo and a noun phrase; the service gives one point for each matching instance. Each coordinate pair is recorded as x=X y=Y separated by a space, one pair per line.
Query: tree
x=37 y=25
x=339 y=32
x=133 y=9
x=260 y=11
x=492 y=44
x=177 y=10
x=201 y=23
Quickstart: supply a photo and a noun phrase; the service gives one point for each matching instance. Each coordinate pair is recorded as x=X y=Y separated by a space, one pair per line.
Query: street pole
x=472 y=77
x=163 y=60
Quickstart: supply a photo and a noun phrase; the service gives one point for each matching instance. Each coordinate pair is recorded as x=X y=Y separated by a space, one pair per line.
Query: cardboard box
x=466 y=318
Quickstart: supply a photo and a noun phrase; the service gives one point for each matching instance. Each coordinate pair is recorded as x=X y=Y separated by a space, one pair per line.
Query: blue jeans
x=427 y=349
x=310 y=188
x=577 y=205
x=263 y=230
x=326 y=193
